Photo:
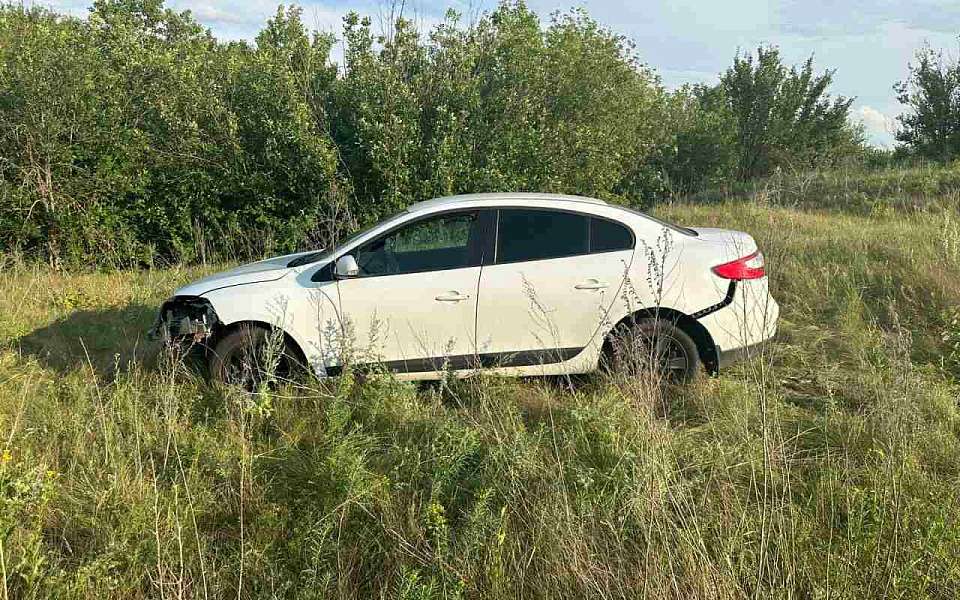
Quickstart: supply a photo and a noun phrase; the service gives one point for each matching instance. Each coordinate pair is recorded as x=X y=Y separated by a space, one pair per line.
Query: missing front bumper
x=185 y=318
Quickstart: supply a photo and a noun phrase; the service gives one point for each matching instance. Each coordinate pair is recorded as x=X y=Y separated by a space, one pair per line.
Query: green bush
x=133 y=135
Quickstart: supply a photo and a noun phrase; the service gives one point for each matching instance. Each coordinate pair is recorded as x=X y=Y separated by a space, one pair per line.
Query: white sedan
x=520 y=284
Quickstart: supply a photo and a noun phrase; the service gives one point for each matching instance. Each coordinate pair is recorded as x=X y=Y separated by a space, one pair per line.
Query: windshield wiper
x=306 y=259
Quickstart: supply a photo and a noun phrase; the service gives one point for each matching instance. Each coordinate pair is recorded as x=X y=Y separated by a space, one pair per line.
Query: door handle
x=590 y=284
x=452 y=296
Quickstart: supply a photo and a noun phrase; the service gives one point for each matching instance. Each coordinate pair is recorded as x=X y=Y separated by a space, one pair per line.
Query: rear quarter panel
x=749 y=320
x=671 y=270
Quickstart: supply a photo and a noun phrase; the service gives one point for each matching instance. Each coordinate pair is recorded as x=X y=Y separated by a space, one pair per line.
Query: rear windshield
x=671 y=226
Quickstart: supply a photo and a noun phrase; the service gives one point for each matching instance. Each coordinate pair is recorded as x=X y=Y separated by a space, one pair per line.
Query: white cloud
x=214 y=15
x=875 y=120
x=860 y=17
x=879 y=126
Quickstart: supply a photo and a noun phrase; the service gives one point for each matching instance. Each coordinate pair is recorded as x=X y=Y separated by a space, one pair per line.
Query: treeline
x=134 y=135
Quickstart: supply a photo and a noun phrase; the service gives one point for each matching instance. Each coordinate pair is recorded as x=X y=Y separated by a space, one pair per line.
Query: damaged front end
x=188 y=319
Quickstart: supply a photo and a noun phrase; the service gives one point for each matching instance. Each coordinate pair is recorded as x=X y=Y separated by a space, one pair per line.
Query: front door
x=413 y=305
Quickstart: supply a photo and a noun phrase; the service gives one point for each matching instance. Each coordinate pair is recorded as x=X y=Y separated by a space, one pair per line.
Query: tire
x=655 y=347
x=245 y=358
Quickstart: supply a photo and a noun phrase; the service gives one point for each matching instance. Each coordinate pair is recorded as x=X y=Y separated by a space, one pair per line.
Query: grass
x=853 y=189
x=830 y=468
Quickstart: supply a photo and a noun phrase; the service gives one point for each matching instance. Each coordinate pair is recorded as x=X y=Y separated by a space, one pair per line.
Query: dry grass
x=830 y=468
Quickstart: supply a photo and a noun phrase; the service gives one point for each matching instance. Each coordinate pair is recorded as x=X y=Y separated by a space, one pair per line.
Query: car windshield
x=313 y=257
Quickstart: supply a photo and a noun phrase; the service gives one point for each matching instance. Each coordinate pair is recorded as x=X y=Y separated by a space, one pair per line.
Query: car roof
x=498 y=197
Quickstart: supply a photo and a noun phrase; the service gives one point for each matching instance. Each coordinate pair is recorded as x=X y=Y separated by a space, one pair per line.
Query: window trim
x=490 y=257
x=474 y=245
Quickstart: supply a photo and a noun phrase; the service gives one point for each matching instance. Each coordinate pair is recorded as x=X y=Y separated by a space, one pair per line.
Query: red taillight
x=748 y=267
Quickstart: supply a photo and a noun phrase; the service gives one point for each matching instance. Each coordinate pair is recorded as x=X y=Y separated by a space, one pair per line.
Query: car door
x=548 y=286
x=413 y=304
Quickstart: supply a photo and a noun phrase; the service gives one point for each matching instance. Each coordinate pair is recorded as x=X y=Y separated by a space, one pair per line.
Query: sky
x=869 y=42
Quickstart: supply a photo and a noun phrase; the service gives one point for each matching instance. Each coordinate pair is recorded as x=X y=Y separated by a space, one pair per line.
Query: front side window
x=432 y=244
x=530 y=234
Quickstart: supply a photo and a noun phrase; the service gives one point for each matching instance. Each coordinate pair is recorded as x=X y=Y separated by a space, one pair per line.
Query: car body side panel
x=749 y=320
x=667 y=269
x=536 y=305
x=407 y=318
x=673 y=271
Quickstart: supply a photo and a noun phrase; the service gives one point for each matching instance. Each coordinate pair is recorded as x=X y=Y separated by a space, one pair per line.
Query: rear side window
x=524 y=234
x=607 y=236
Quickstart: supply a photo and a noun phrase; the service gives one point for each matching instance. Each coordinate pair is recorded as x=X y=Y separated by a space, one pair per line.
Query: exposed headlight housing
x=182 y=317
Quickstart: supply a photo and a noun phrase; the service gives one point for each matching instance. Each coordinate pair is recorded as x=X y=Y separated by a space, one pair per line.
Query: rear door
x=552 y=278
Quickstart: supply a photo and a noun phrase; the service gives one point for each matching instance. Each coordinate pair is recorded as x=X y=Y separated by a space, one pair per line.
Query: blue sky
x=868 y=42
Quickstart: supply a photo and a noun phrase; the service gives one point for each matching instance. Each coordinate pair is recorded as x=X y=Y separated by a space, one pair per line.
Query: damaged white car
x=520 y=284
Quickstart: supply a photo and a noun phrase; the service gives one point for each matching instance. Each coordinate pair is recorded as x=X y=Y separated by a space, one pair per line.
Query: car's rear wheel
x=250 y=356
x=653 y=347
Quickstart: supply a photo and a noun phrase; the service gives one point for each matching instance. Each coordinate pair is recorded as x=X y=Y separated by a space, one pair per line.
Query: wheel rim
x=250 y=365
x=671 y=358
x=241 y=370
x=658 y=354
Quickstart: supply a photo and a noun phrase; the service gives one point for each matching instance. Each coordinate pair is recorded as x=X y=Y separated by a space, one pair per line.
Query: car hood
x=270 y=269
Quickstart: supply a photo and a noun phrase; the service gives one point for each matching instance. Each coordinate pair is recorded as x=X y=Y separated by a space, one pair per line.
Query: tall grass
x=829 y=467
x=856 y=189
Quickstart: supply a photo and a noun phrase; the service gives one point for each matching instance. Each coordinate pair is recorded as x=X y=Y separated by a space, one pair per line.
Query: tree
x=784 y=116
x=285 y=162
x=702 y=147
x=502 y=105
x=133 y=134
x=931 y=126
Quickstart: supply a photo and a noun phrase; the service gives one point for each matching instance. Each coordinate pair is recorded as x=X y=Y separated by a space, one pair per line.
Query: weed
x=826 y=467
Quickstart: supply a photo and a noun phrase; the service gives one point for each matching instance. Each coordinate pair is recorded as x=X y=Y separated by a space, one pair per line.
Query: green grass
x=854 y=189
x=831 y=468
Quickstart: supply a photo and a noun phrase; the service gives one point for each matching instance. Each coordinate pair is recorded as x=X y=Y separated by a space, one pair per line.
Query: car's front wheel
x=653 y=347
x=250 y=356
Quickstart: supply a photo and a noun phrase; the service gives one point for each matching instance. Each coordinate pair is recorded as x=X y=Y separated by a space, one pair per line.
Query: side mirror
x=346 y=267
